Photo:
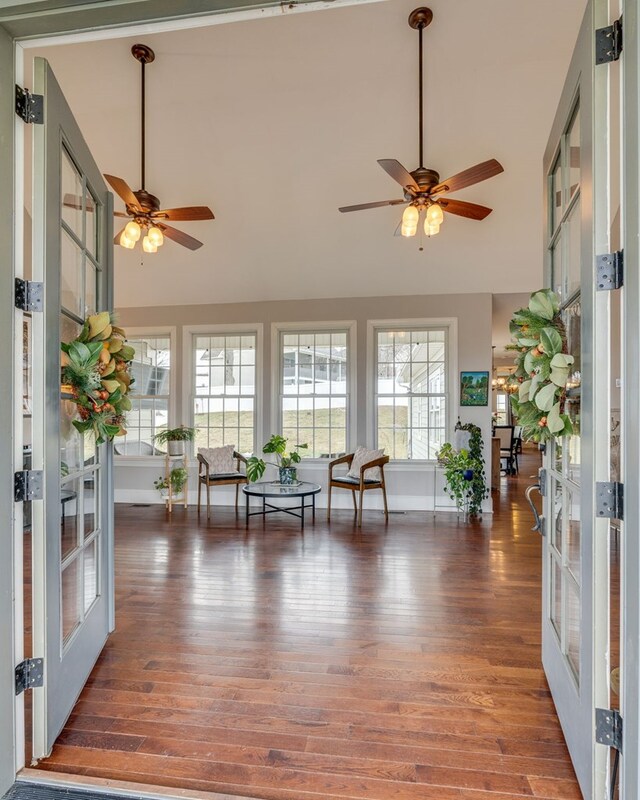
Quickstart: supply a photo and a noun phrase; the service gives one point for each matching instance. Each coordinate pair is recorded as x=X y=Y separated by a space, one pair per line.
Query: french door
x=575 y=549
x=72 y=527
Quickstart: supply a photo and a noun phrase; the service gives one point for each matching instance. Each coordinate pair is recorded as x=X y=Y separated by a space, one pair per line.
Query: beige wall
x=472 y=312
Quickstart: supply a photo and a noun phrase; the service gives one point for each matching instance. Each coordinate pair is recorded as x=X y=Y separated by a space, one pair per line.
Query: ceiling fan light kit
x=422 y=189
x=144 y=207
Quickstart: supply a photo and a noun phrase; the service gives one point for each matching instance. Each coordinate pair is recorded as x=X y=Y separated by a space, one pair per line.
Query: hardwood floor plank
x=392 y=663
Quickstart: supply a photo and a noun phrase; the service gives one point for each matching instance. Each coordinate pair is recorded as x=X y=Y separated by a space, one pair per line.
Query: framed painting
x=474 y=388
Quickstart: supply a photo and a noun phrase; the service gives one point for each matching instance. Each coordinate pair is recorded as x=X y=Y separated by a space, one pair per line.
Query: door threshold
x=115 y=788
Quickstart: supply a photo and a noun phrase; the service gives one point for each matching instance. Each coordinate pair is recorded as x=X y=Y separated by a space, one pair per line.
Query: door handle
x=538 y=519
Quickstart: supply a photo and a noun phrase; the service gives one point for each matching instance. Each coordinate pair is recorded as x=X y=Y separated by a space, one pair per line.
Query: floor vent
x=38 y=791
x=140 y=505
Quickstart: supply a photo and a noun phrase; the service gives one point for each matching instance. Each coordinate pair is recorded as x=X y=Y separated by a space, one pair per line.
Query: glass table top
x=275 y=489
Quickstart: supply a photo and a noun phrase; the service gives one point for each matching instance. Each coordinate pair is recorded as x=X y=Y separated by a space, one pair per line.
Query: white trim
x=206 y=20
x=250 y=329
x=452 y=388
x=337 y=326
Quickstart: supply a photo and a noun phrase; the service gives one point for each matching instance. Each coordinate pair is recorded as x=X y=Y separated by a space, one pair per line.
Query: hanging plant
x=542 y=368
x=96 y=377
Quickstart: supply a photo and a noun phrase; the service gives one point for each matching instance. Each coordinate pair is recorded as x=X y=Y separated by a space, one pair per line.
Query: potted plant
x=284 y=460
x=464 y=472
x=177 y=479
x=174 y=439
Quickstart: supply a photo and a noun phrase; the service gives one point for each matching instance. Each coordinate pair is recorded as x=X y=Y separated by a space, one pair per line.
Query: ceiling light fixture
x=422 y=188
x=143 y=207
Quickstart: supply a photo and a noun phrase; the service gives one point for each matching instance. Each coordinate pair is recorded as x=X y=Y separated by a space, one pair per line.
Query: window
x=224 y=390
x=502 y=414
x=411 y=391
x=150 y=394
x=314 y=390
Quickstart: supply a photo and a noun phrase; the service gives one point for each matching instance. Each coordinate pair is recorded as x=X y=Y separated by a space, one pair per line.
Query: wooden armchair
x=224 y=479
x=360 y=485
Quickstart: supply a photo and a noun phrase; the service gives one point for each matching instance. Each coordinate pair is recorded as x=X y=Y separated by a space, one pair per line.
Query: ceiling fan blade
x=463 y=209
x=180 y=237
x=123 y=189
x=72 y=201
x=364 y=206
x=189 y=213
x=398 y=173
x=120 y=214
x=481 y=172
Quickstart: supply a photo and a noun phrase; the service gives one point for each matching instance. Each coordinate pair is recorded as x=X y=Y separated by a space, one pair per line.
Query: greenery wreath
x=96 y=377
x=542 y=368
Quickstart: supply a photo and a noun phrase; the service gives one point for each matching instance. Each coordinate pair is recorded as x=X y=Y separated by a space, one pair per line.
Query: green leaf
x=551 y=341
x=523 y=391
x=529 y=363
x=545 y=397
x=295 y=457
x=525 y=341
x=126 y=352
x=559 y=376
x=535 y=385
x=255 y=468
x=555 y=422
x=79 y=352
x=541 y=305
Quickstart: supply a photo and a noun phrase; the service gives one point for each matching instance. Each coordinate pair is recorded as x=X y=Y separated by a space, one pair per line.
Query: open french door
x=73 y=526
x=575 y=636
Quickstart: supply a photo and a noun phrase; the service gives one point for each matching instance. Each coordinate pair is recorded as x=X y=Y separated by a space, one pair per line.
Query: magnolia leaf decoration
x=542 y=368
x=96 y=367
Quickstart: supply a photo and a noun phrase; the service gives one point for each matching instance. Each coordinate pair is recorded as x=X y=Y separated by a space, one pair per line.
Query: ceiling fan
x=144 y=208
x=423 y=189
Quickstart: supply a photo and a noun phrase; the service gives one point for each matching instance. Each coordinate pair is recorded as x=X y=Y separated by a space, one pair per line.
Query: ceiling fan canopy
x=423 y=191
x=143 y=208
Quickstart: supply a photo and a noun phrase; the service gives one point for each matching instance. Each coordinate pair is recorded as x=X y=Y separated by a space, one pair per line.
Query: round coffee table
x=270 y=490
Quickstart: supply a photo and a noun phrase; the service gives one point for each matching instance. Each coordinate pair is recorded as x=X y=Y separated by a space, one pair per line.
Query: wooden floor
x=396 y=663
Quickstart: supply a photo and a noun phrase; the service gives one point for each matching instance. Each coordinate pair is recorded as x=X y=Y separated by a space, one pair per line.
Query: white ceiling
x=276 y=122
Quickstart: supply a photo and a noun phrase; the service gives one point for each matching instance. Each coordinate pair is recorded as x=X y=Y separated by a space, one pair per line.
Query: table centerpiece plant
x=284 y=460
x=464 y=472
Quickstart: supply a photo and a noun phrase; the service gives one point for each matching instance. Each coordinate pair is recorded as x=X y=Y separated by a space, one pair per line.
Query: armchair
x=206 y=478
x=360 y=485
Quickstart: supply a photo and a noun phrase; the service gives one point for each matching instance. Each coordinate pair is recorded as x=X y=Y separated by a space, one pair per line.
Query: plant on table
x=172 y=436
x=177 y=479
x=464 y=471
x=284 y=460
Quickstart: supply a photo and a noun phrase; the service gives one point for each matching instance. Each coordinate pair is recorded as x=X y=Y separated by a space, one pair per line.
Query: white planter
x=175 y=448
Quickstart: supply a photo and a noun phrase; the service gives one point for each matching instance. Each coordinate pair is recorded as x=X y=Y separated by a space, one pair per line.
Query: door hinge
x=609 y=728
x=542 y=480
x=29 y=295
x=609 y=271
x=610 y=499
x=27 y=485
x=609 y=43
x=29 y=674
x=29 y=107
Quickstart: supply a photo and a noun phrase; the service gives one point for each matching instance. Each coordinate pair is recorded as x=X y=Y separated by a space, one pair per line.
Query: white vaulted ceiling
x=276 y=122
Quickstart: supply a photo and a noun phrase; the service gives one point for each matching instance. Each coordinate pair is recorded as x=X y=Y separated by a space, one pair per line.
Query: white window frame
x=189 y=332
x=336 y=326
x=451 y=393
x=159 y=331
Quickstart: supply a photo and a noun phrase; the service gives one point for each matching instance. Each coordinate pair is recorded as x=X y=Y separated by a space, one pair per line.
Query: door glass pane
x=556 y=194
x=556 y=596
x=571 y=233
x=573 y=155
x=89 y=503
x=70 y=439
x=90 y=573
x=71 y=185
x=91 y=237
x=70 y=598
x=71 y=276
x=557 y=521
x=573 y=626
x=556 y=267
x=573 y=535
x=69 y=517
x=90 y=293
x=69 y=329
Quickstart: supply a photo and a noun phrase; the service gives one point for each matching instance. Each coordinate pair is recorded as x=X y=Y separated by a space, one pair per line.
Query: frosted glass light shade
x=148 y=246
x=132 y=231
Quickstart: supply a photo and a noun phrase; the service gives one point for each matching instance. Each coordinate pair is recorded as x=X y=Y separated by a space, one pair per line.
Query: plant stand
x=172 y=499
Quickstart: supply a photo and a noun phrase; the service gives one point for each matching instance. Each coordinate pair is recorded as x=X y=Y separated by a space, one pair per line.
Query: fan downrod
x=420 y=18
